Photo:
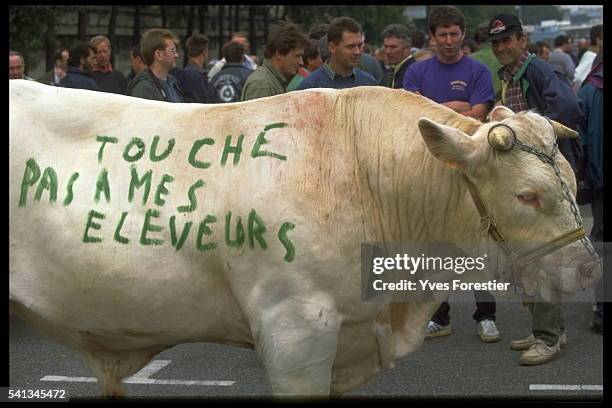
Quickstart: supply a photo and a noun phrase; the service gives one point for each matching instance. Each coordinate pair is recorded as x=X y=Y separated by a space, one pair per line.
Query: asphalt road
x=455 y=366
x=458 y=365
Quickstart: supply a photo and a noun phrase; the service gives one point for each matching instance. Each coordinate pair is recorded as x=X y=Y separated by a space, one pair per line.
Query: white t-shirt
x=583 y=68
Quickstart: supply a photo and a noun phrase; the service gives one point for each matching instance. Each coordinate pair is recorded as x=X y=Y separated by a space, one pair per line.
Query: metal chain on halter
x=550 y=159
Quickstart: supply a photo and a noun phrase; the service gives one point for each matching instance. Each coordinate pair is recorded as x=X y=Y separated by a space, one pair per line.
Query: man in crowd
x=586 y=62
x=248 y=61
x=345 y=45
x=159 y=52
x=108 y=79
x=81 y=58
x=137 y=64
x=192 y=79
x=543 y=51
x=486 y=56
x=369 y=64
x=591 y=133
x=561 y=60
x=227 y=84
x=397 y=43
x=418 y=38
x=312 y=60
x=530 y=83
x=282 y=57
x=464 y=85
x=583 y=46
x=17 y=66
x=450 y=78
x=60 y=65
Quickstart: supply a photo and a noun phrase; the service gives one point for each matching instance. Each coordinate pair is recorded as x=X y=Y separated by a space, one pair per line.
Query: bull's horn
x=563 y=132
x=501 y=137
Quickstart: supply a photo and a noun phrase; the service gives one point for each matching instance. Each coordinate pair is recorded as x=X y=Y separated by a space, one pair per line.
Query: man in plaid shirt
x=529 y=83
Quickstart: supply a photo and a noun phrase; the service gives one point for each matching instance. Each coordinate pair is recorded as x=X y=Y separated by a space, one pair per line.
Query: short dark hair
x=196 y=45
x=284 y=38
x=542 y=44
x=418 y=38
x=239 y=34
x=397 y=30
x=561 y=40
x=324 y=48
x=318 y=30
x=233 y=51
x=533 y=48
x=312 y=51
x=135 y=51
x=58 y=54
x=471 y=44
x=481 y=33
x=445 y=16
x=77 y=51
x=340 y=25
x=595 y=33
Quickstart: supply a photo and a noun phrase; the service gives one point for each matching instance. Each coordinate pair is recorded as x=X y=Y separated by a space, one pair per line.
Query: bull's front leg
x=297 y=340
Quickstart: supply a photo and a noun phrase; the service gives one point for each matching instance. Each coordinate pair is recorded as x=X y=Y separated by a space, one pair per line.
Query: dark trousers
x=596 y=234
x=485 y=309
x=596 y=237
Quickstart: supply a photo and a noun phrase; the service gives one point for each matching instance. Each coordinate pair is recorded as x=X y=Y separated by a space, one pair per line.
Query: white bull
x=137 y=225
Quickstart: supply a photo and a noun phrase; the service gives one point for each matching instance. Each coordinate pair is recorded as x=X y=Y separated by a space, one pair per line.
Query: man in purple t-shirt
x=464 y=85
x=450 y=78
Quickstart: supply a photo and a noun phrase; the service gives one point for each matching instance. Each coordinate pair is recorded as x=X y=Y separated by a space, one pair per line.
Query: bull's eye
x=529 y=198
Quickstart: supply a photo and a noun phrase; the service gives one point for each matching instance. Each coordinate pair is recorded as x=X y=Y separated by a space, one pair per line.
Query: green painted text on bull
x=150 y=234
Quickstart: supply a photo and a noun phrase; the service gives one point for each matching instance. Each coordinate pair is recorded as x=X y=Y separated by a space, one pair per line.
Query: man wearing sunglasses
x=158 y=47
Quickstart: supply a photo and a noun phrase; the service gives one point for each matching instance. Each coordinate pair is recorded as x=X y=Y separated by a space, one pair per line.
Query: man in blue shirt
x=192 y=79
x=345 y=42
x=466 y=86
x=450 y=78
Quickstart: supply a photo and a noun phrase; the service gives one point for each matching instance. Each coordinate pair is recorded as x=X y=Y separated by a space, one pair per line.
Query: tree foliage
x=475 y=15
x=371 y=18
x=26 y=23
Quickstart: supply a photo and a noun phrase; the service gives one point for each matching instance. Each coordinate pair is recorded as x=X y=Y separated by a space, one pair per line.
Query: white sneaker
x=436 y=330
x=487 y=331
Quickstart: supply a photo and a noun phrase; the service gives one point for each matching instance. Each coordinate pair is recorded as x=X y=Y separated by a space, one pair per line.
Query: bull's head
x=528 y=188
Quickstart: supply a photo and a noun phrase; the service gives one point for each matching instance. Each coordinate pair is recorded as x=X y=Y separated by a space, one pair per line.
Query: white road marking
x=142 y=377
x=564 y=387
x=68 y=379
x=150 y=369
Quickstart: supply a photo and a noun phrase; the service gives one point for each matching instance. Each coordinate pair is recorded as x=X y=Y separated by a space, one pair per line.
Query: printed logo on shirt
x=458 y=85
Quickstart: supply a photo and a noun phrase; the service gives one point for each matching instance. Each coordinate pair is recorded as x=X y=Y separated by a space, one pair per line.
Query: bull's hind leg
x=110 y=368
x=297 y=341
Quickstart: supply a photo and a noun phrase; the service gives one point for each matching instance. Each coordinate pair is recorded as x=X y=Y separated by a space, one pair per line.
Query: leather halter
x=488 y=224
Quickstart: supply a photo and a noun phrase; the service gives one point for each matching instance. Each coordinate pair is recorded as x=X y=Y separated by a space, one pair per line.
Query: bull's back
x=134 y=216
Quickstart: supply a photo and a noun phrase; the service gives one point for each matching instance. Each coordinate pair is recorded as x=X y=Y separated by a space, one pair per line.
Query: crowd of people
x=499 y=66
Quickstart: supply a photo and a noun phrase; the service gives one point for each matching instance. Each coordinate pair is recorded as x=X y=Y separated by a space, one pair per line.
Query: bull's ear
x=500 y=112
x=447 y=144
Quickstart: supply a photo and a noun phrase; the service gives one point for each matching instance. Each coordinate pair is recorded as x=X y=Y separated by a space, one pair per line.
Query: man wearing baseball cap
x=531 y=83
